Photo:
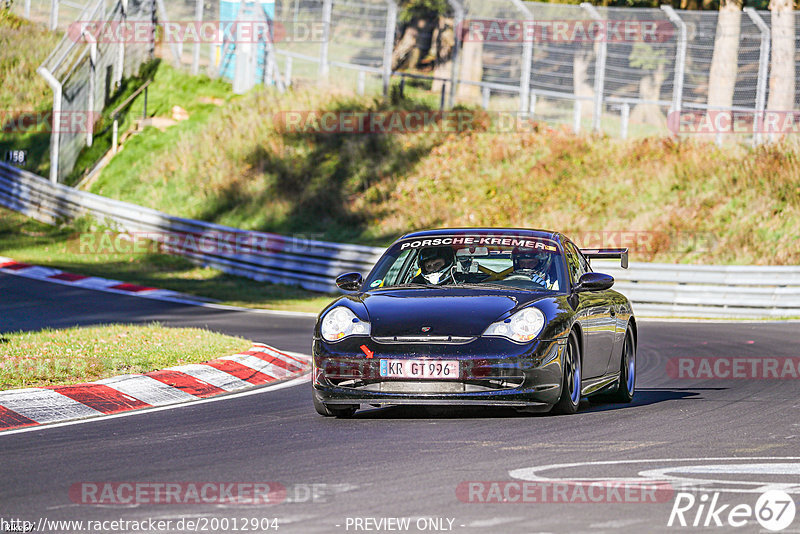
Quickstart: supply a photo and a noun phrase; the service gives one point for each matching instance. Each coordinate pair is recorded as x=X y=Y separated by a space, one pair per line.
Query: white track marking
x=213 y=376
x=44 y=405
x=289 y=383
x=147 y=389
x=257 y=364
x=531 y=473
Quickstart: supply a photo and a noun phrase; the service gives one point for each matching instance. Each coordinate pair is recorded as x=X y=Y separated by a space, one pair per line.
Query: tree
x=724 y=62
x=781 y=80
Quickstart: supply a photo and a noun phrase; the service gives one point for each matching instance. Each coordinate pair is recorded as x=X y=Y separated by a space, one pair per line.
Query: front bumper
x=492 y=372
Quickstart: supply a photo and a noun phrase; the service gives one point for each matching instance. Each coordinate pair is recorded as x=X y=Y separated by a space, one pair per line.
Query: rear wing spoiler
x=607 y=254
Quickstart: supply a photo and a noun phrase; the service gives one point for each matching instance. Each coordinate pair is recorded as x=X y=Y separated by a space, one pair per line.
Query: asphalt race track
x=730 y=438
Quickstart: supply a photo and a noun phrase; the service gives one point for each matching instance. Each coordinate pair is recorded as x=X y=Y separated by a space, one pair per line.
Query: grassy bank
x=27 y=241
x=85 y=354
x=688 y=201
x=23 y=47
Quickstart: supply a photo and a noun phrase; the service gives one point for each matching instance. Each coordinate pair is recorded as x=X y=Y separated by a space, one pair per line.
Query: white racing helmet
x=436 y=263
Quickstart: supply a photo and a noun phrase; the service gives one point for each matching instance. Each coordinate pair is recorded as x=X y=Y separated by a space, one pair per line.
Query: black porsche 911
x=494 y=317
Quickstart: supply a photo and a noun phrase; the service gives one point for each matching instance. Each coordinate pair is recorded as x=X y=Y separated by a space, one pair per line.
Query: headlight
x=340 y=322
x=520 y=327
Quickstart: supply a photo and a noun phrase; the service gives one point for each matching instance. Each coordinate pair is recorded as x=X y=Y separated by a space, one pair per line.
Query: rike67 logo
x=774 y=510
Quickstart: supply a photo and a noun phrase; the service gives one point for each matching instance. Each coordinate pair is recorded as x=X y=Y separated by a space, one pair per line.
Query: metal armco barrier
x=261 y=256
x=655 y=289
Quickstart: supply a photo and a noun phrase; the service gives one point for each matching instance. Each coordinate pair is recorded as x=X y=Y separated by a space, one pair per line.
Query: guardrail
x=261 y=256
x=655 y=289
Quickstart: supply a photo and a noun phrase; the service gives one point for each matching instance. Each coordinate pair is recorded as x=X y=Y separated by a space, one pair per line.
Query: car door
x=596 y=316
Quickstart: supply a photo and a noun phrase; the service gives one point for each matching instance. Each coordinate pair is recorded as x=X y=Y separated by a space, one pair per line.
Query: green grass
x=27 y=241
x=23 y=47
x=54 y=357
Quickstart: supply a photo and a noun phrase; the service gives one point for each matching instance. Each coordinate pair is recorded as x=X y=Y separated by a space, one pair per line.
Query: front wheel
x=571 y=381
x=344 y=410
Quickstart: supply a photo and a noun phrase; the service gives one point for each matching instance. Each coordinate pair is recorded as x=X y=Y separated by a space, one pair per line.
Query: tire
x=343 y=410
x=626 y=386
x=571 y=380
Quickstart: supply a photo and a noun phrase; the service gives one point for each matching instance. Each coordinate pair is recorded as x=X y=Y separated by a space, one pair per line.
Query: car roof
x=527 y=232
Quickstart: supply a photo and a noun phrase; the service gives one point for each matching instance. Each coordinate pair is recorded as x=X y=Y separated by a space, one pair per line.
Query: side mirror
x=350 y=281
x=594 y=282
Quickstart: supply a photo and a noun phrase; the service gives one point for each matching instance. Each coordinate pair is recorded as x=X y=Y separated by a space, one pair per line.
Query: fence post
x=458 y=22
x=55 y=135
x=680 y=58
x=198 y=19
x=576 y=115
x=532 y=108
x=626 y=114
x=763 y=64
x=486 y=95
x=121 y=57
x=288 y=75
x=53 y=14
x=361 y=83
x=388 y=44
x=27 y=9
x=324 y=68
x=527 y=57
x=92 y=90
x=599 y=71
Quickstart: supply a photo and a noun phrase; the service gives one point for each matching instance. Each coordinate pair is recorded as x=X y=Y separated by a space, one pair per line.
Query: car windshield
x=456 y=261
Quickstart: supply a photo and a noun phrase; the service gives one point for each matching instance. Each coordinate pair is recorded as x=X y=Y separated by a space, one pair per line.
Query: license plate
x=440 y=369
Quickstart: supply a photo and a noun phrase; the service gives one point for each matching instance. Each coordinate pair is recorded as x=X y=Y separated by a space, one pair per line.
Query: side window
x=573 y=265
x=576 y=263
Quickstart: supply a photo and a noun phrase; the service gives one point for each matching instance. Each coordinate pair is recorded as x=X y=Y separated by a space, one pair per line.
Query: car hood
x=446 y=311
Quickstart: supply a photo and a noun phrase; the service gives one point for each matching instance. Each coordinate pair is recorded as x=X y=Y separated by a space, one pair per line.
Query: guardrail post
x=53 y=14
x=388 y=45
x=458 y=22
x=486 y=95
x=599 y=71
x=527 y=57
x=763 y=65
x=55 y=135
x=198 y=18
x=680 y=58
x=324 y=67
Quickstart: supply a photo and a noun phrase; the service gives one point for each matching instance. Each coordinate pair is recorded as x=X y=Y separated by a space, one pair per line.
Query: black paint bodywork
x=494 y=371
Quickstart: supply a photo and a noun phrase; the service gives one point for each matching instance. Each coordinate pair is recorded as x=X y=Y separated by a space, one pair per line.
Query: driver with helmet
x=534 y=265
x=436 y=266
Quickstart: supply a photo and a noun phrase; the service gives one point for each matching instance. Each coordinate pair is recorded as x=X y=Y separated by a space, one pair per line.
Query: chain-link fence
x=84 y=71
x=56 y=14
x=622 y=71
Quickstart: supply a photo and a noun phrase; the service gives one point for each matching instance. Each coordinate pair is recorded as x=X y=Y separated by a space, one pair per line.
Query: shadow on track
x=644 y=397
